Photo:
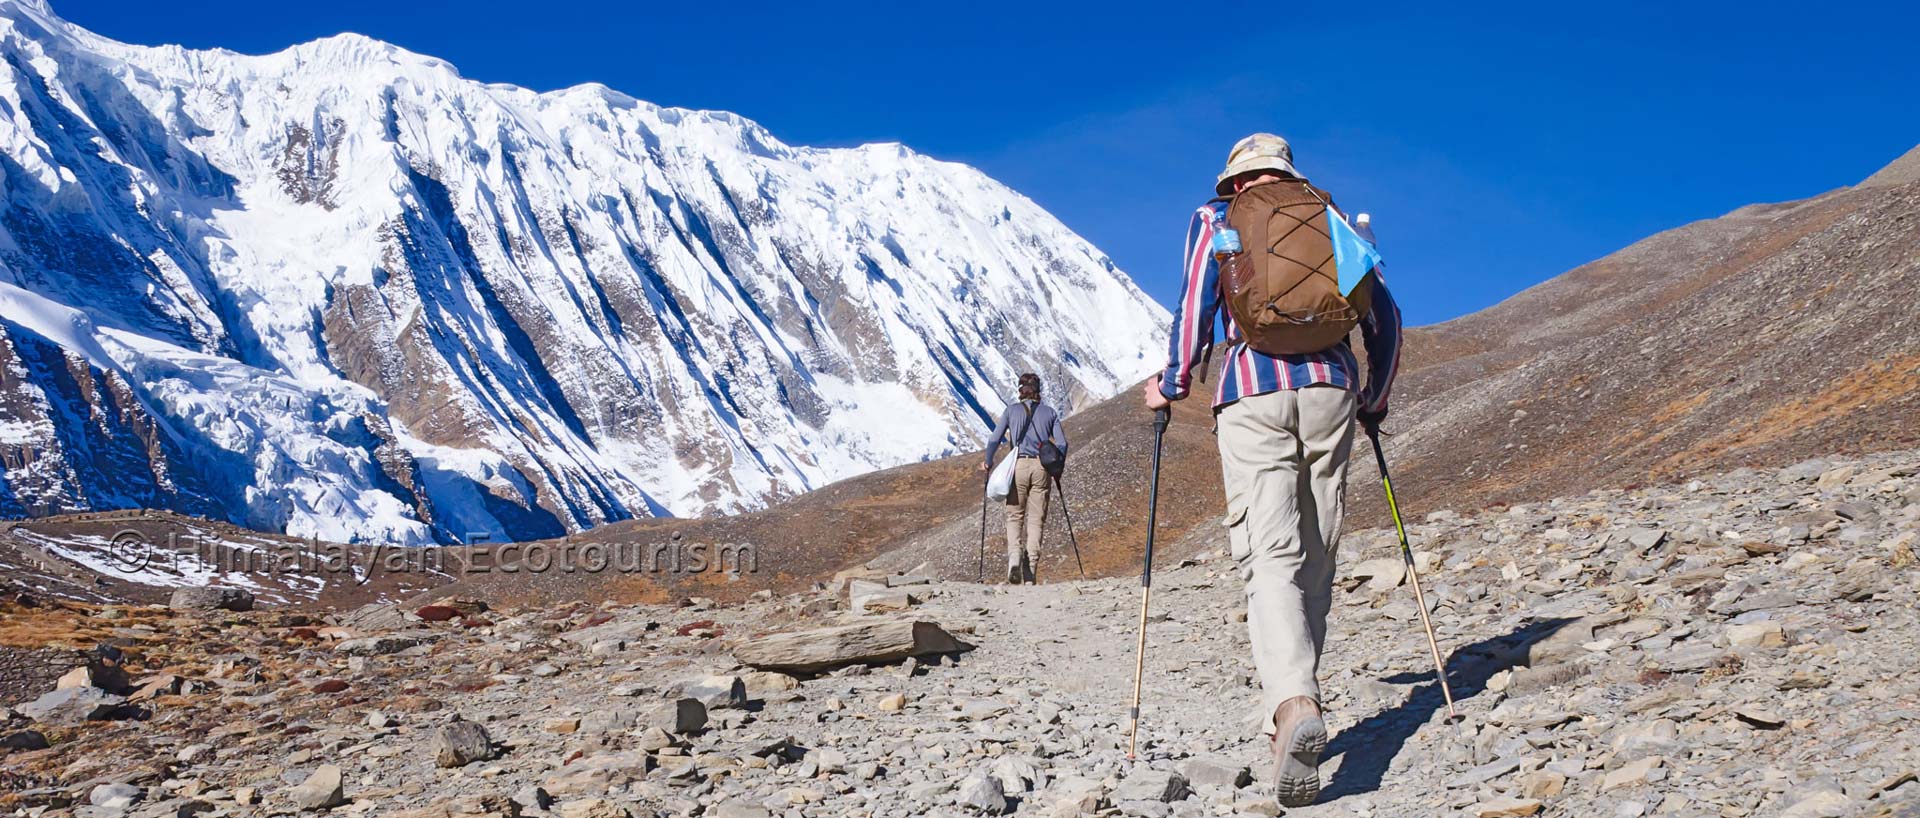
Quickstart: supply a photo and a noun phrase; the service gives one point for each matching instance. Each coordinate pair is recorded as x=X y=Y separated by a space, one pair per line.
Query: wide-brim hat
x=1261 y=151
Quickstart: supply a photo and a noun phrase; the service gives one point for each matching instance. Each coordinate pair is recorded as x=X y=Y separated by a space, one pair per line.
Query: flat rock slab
x=1164 y=786
x=386 y=643
x=825 y=648
x=375 y=616
x=1506 y=808
x=210 y=599
x=71 y=706
x=1216 y=771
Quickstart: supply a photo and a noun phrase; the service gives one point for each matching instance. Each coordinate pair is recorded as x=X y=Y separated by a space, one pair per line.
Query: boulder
x=95 y=674
x=884 y=601
x=1075 y=796
x=820 y=649
x=375 y=616
x=24 y=740
x=1383 y=574
x=1757 y=635
x=209 y=598
x=386 y=643
x=436 y=613
x=461 y=743
x=679 y=717
x=324 y=789
x=716 y=692
x=984 y=795
x=1165 y=786
x=73 y=705
x=1211 y=771
x=1018 y=774
x=115 y=796
x=761 y=682
x=465 y=606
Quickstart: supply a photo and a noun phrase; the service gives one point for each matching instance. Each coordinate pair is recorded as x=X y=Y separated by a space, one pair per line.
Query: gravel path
x=1736 y=646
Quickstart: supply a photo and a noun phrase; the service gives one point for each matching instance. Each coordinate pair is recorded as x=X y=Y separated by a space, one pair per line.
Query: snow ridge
x=405 y=306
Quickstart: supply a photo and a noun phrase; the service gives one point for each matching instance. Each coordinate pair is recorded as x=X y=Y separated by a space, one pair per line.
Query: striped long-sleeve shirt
x=1250 y=372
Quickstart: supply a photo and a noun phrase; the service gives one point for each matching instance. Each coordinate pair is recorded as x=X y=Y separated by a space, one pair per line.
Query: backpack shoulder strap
x=1024 y=426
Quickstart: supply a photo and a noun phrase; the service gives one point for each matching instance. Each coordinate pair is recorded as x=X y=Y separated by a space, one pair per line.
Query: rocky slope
x=341 y=291
x=1739 y=645
x=1772 y=333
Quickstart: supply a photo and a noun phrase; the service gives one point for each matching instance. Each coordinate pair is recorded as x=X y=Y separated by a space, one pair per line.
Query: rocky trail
x=1741 y=645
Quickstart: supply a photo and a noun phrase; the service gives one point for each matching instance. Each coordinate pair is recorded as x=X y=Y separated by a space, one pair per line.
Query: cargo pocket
x=1236 y=523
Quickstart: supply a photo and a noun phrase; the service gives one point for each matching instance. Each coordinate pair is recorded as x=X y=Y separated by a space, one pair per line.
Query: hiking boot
x=1014 y=574
x=1299 y=737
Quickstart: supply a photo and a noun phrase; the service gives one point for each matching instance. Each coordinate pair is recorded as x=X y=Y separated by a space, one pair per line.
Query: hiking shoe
x=1299 y=737
x=1013 y=574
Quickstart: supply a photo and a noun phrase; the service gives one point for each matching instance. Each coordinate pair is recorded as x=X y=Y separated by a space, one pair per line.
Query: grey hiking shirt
x=1046 y=426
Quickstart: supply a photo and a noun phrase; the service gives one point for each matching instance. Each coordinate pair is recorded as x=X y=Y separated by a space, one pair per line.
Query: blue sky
x=1497 y=146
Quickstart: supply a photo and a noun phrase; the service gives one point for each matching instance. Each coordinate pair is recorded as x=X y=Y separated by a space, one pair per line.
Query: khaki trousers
x=1283 y=458
x=1026 y=512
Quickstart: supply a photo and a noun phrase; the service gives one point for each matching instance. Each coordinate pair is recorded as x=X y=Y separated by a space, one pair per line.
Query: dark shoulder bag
x=1051 y=458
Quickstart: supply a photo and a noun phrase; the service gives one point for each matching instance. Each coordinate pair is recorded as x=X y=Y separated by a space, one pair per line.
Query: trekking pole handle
x=1161 y=417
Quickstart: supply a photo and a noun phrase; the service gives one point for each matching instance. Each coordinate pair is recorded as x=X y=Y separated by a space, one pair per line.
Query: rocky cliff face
x=72 y=430
x=380 y=301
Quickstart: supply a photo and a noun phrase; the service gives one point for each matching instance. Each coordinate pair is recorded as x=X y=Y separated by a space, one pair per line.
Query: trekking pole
x=981 y=572
x=1062 y=491
x=1413 y=574
x=1160 y=419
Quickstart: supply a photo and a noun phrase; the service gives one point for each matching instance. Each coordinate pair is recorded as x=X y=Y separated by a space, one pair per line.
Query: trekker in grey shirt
x=1030 y=480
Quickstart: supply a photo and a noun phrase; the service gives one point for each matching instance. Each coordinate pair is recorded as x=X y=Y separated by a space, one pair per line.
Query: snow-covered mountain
x=340 y=291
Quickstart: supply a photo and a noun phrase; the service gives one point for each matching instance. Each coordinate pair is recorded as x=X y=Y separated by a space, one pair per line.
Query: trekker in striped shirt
x=1285 y=426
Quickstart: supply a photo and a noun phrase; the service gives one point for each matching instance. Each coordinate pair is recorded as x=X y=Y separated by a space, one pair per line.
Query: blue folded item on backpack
x=1352 y=253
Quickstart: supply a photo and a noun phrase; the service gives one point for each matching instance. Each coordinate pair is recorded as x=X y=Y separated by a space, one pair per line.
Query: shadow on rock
x=1367 y=749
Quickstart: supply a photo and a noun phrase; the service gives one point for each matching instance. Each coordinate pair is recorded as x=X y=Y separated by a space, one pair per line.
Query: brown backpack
x=1282 y=288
